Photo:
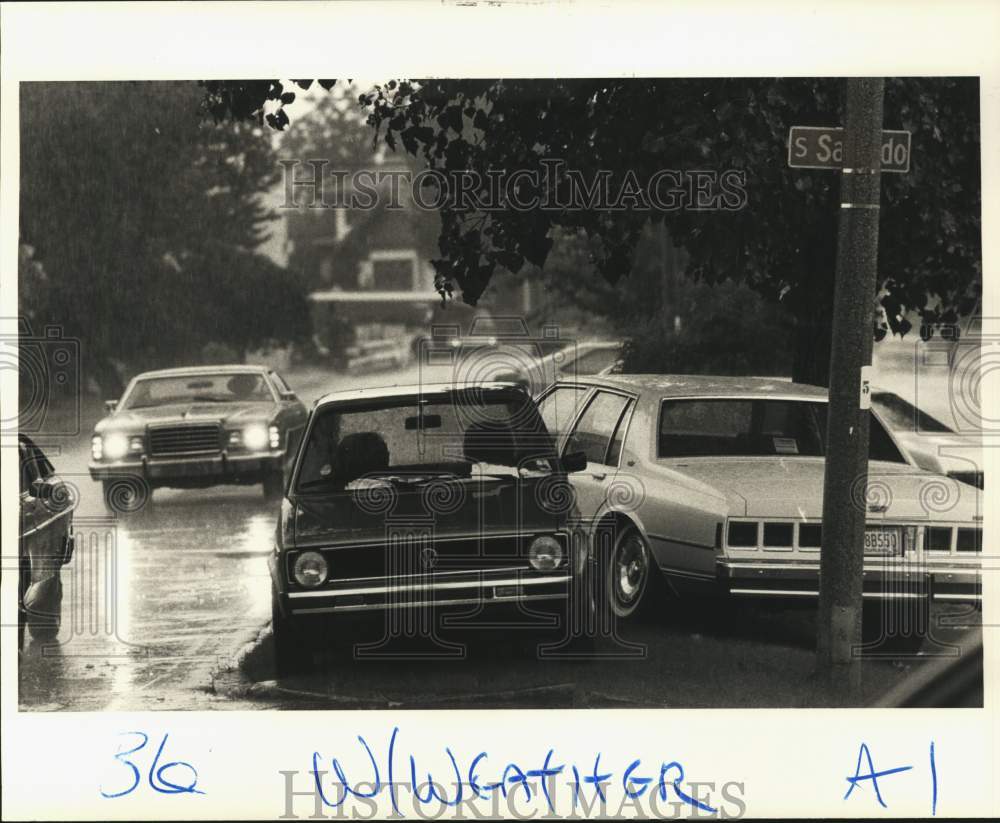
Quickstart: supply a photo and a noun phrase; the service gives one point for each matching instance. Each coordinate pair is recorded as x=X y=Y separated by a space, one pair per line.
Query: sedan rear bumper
x=882 y=581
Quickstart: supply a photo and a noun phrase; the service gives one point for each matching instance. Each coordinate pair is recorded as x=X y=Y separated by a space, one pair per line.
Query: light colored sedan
x=567 y=363
x=714 y=484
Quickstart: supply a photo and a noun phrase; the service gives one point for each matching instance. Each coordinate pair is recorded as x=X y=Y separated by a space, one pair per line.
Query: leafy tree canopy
x=147 y=219
x=782 y=242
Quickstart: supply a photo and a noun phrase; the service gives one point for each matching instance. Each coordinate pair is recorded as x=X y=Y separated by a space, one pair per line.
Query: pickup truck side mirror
x=289 y=395
x=574 y=462
x=39 y=488
x=110 y=405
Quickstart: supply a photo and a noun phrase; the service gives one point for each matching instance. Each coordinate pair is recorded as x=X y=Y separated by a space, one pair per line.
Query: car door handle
x=599 y=475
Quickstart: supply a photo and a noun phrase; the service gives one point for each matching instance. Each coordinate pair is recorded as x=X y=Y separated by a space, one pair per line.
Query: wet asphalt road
x=168 y=608
x=157 y=602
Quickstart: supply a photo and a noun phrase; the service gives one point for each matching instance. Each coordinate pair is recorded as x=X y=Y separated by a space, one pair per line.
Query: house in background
x=369 y=275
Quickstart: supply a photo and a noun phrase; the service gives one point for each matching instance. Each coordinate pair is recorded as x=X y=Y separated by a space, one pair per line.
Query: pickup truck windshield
x=409 y=438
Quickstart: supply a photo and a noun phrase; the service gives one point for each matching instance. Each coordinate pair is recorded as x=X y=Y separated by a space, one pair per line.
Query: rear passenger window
x=596 y=426
x=880 y=445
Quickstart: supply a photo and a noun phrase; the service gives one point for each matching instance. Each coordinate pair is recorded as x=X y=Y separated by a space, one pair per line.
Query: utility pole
x=846 y=473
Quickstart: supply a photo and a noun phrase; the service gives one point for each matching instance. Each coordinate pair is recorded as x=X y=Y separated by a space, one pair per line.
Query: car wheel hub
x=630 y=569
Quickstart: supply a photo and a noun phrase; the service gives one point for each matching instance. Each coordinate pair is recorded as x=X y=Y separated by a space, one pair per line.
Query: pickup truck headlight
x=256 y=437
x=115 y=446
x=545 y=554
x=310 y=569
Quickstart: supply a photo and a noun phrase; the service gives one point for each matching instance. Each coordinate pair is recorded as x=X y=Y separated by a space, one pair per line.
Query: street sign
x=821 y=147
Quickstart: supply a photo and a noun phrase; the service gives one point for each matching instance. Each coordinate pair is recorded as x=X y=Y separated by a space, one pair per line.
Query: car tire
x=46 y=631
x=44 y=625
x=126 y=494
x=273 y=485
x=631 y=577
x=292 y=653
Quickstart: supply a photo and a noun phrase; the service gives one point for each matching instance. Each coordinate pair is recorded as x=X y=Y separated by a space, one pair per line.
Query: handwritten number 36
x=156 y=776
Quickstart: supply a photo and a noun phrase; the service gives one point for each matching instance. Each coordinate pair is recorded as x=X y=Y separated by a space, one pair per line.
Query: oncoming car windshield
x=752 y=427
x=229 y=387
x=408 y=438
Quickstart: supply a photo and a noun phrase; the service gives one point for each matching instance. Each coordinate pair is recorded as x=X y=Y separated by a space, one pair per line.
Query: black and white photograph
x=552 y=395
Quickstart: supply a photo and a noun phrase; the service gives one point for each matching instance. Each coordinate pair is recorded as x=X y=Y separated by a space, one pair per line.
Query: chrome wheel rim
x=629 y=570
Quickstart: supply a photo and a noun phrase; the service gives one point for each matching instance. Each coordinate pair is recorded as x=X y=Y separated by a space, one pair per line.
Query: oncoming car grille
x=193 y=439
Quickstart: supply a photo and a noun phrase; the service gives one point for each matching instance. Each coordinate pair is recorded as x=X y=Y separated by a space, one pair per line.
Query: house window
x=393 y=275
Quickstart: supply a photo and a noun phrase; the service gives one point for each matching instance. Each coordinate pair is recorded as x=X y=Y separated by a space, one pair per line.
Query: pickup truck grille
x=192 y=439
x=407 y=555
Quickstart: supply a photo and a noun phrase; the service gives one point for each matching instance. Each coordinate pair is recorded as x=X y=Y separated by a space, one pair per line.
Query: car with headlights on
x=45 y=542
x=702 y=485
x=196 y=427
x=420 y=498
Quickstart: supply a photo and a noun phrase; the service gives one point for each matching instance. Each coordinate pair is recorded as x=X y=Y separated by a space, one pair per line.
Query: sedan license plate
x=883 y=541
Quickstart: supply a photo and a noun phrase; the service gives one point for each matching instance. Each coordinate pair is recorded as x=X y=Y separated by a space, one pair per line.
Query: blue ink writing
x=933 y=782
x=507 y=781
x=157 y=774
x=872 y=775
x=691 y=801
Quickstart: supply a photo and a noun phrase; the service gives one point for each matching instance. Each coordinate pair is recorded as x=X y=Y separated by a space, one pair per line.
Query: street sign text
x=821 y=147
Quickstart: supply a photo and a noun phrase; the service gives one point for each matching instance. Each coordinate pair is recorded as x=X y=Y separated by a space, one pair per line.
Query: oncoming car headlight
x=545 y=554
x=310 y=569
x=255 y=437
x=115 y=446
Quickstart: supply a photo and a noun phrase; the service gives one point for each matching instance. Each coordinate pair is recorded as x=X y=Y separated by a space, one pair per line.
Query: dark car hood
x=471 y=506
x=188 y=413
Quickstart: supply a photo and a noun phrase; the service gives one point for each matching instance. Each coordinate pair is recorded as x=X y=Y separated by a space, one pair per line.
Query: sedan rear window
x=754 y=428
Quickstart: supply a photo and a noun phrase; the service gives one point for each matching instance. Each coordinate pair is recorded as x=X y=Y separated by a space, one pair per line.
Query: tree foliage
x=782 y=243
x=147 y=219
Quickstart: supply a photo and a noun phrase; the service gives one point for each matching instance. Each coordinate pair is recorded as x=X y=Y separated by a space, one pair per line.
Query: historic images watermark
x=554 y=187
x=546 y=787
x=47 y=364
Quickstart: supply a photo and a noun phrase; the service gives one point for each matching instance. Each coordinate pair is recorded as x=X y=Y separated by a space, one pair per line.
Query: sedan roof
x=690 y=385
x=411 y=389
